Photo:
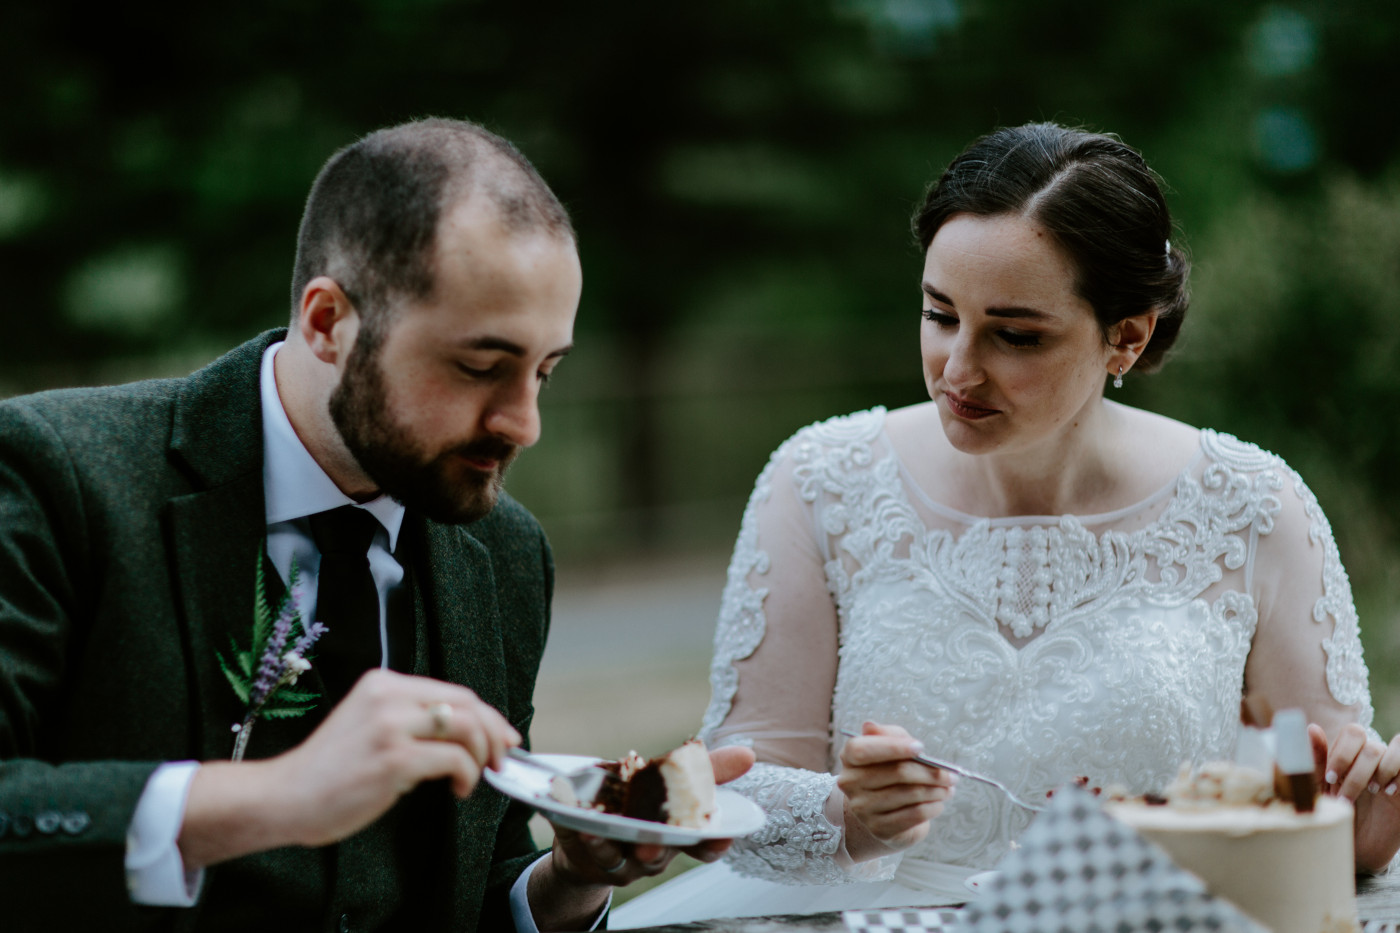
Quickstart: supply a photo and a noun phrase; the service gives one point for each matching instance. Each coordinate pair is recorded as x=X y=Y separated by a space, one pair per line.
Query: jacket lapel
x=216 y=531
x=455 y=594
x=215 y=538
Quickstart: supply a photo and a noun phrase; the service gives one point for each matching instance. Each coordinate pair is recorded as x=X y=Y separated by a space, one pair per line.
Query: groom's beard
x=442 y=485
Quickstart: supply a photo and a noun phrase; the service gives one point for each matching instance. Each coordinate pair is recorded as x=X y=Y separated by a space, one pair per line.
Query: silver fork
x=959 y=769
x=584 y=782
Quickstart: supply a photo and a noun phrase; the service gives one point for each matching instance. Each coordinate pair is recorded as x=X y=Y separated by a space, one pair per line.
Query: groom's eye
x=476 y=372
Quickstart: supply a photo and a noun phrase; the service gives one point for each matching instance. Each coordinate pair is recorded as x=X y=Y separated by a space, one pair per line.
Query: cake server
x=583 y=782
x=959 y=769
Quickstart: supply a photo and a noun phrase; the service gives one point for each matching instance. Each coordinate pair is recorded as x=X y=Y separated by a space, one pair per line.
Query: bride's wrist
x=859 y=843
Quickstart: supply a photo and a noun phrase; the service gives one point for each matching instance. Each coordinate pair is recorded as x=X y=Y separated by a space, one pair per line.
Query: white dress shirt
x=294 y=488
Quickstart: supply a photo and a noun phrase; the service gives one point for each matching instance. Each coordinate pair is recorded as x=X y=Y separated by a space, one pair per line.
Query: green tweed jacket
x=131 y=519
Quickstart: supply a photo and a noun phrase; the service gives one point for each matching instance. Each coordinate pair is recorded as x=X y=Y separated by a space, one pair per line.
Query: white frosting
x=1293 y=872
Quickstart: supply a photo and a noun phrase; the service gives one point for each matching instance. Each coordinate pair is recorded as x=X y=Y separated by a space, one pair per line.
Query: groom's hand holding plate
x=594 y=847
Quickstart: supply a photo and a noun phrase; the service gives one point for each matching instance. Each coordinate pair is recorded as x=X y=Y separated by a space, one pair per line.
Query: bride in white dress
x=1033 y=581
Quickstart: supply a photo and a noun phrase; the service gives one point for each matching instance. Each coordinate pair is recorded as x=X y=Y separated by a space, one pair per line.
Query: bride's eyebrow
x=1017 y=312
x=938 y=296
x=1010 y=311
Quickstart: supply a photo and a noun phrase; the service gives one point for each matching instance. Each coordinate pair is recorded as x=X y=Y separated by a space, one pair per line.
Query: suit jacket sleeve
x=70 y=817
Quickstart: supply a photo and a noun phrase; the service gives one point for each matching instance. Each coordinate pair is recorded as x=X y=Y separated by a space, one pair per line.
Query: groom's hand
x=571 y=888
x=587 y=859
x=390 y=733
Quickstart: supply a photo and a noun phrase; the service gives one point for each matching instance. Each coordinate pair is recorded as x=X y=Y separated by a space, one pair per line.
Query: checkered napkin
x=898 y=920
x=1079 y=869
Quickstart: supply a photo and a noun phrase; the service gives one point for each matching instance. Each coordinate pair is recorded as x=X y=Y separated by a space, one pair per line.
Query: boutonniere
x=262 y=675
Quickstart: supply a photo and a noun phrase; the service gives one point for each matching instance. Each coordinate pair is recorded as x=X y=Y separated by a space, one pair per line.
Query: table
x=1377 y=901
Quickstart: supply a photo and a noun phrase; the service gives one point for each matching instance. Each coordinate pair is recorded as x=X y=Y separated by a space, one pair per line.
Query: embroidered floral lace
x=1039 y=649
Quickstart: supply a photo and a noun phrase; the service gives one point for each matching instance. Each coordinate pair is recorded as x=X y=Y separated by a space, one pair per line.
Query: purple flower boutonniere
x=262 y=675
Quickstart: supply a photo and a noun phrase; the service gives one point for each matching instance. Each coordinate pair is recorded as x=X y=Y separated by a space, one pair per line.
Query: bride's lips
x=966 y=408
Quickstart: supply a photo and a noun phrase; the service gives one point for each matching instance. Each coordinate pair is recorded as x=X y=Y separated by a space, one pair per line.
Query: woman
x=1033 y=581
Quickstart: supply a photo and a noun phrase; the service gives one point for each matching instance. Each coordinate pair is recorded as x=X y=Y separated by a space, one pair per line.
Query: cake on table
x=1287 y=863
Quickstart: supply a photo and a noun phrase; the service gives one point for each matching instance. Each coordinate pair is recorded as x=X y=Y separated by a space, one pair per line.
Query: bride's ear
x=1129 y=338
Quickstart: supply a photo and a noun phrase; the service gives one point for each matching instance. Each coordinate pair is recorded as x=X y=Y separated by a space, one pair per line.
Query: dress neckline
x=966 y=518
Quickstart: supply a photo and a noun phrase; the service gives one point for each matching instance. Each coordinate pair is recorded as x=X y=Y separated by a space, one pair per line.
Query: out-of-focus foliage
x=741 y=175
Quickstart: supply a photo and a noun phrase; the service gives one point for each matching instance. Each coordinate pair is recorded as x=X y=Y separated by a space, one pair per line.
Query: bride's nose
x=963 y=368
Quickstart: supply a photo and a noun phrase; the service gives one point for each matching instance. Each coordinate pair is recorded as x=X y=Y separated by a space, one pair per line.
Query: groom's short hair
x=372 y=217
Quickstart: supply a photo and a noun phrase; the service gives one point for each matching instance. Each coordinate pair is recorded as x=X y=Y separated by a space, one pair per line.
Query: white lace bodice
x=1038 y=649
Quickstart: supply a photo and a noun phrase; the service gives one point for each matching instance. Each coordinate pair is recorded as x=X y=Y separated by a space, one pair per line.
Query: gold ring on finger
x=442 y=719
x=621 y=864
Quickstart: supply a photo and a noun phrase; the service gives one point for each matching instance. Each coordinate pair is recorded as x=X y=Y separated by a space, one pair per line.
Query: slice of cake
x=1292 y=871
x=677 y=788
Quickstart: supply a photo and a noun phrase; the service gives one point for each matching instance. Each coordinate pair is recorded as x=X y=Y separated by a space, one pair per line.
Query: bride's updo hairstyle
x=1097 y=198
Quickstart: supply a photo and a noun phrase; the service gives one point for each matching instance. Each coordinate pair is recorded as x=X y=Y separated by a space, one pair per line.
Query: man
x=434 y=291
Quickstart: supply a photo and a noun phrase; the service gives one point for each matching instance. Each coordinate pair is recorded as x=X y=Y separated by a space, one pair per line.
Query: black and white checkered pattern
x=1079 y=869
x=897 y=920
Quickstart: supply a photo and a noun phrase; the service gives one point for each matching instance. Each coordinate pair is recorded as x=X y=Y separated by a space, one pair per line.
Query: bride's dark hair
x=1097 y=198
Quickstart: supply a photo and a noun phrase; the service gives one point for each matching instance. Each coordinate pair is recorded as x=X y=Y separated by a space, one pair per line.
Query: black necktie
x=347 y=601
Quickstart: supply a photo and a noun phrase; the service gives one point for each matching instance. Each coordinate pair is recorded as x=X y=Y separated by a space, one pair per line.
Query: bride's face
x=1011 y=353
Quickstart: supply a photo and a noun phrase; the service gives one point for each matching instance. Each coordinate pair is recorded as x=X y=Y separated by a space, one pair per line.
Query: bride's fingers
x=891 y=774
x=897 y=798
x=1342 y=757
x=878 y=749
x=898 y=826
x=1362 y=771
x=1384 y=781
x=875 y=806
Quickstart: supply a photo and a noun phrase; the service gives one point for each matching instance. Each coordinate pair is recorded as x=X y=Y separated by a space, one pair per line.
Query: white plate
x=981 y=882
x=735 y=815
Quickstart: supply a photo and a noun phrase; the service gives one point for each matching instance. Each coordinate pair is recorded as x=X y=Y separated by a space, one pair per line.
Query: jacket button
x=344 y=923
x=75 y=822
x=21 y=825
x=47 y=822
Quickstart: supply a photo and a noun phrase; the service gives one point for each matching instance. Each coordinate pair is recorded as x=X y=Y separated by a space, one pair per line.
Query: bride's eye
x=1018 y=338
x=939 y=318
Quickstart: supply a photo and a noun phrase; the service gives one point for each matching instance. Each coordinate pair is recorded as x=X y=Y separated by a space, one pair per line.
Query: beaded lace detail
x=1037 y=650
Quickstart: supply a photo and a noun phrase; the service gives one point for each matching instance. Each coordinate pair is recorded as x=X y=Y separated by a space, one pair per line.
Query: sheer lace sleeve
x=772 y=678
x=1307 y=646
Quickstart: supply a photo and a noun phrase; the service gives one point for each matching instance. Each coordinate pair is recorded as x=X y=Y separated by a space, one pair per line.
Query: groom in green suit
x=434 y=291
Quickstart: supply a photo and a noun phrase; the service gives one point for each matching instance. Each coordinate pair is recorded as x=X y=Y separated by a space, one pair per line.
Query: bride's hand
x=890 y=795
x=1355 y=763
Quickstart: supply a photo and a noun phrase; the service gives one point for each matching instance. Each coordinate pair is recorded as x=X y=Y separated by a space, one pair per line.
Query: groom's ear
x=327 y=321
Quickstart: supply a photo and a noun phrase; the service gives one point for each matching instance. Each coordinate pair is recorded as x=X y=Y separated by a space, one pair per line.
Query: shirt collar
x=294 y=485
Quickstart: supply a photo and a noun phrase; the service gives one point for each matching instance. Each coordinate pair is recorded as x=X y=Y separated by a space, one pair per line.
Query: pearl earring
x=1118 y=379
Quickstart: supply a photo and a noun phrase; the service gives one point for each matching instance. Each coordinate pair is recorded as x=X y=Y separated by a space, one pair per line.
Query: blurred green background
x=741 y=175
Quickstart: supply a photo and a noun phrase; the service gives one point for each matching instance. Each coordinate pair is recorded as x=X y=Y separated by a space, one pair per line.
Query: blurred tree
x=740 y=173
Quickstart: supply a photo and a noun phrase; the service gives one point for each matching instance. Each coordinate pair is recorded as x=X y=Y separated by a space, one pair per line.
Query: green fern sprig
x=262 y=675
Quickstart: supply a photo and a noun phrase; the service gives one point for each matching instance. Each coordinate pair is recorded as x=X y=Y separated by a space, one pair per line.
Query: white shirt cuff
x=155 y=870
x=520 y=902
